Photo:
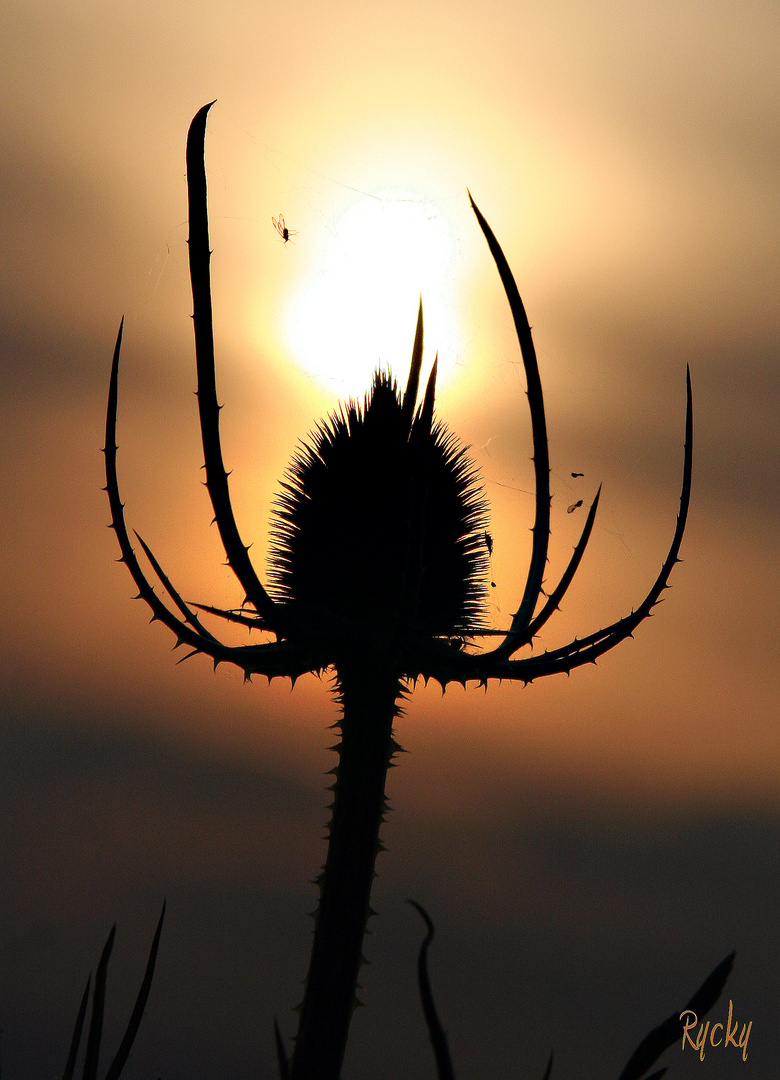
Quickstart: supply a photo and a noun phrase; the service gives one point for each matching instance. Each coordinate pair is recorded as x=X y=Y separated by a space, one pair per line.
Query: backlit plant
x=377 y=573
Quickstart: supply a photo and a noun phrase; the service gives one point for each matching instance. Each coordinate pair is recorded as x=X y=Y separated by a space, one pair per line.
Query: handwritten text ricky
x=718 y=1035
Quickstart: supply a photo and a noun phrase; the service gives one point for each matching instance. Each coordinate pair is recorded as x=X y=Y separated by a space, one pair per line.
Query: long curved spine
x=216 y=475
x=541 y=459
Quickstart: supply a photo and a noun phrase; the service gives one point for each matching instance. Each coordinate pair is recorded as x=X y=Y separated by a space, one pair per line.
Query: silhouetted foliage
x=377 y=573
x=98 y=1006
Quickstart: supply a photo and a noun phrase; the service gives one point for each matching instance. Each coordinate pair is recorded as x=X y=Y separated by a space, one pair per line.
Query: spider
x=376 y=574
x=282 y=229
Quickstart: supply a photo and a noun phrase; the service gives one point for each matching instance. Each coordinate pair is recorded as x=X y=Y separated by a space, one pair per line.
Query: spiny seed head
x=380 y=523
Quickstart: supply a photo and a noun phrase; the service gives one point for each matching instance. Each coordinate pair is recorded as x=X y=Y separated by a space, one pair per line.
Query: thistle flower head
x=380 y=523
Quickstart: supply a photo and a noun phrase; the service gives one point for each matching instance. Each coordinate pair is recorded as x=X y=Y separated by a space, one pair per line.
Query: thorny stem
x=366 y=747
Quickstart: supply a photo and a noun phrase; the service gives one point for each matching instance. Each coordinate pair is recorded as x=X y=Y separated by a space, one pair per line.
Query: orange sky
x=625 y=156
x=625 y=164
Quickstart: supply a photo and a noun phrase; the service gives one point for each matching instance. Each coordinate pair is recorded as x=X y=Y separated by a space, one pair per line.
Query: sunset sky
x=589 y=847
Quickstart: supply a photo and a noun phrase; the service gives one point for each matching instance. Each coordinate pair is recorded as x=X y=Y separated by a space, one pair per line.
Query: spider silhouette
x=377 y=574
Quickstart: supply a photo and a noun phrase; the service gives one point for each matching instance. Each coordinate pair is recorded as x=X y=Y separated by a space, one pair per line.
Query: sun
x=358 y=310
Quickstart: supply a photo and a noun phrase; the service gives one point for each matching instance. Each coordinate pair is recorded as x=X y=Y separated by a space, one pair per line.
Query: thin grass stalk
x=98 y=1005
x=436 y=1033
x=70 y=1064
x=123 y=1053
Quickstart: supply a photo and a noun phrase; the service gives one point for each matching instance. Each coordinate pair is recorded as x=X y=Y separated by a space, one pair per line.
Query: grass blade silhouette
x=98 y=1008
x=70 y=1064
x=441 y=1050
x=281 y=1055
x=126 y=1045
x=98 y=1005
x=668 y=1033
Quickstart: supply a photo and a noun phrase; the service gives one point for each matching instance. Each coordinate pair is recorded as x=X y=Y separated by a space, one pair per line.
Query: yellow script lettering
x=744 y=1038
x=687 y=1027
x=701 y=1039
x=730 y=1032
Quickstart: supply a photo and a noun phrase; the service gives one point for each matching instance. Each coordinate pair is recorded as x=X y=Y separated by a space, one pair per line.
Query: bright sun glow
x=383 y=253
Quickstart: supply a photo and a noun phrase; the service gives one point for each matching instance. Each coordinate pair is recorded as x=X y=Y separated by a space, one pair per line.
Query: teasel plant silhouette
x=377 y=574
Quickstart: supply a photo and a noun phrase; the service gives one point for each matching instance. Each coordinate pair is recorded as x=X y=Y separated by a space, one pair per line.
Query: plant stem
x=369 y=707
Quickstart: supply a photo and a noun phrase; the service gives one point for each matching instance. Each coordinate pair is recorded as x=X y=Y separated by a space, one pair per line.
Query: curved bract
x=378 y=570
